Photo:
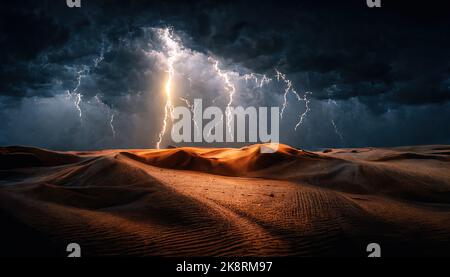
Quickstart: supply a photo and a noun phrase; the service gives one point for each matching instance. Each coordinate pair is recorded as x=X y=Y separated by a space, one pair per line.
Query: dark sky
x=377 y=77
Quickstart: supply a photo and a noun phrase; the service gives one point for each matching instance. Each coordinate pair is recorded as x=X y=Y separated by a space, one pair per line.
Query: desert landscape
x=226 y=202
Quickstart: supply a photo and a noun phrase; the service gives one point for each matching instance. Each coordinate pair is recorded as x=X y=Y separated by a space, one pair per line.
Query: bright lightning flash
x=173 y=53
x=230 y=88
x=289 y=88
x=76 y=97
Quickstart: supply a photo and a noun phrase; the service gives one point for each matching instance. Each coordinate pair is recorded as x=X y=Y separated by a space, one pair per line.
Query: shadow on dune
x=161 y=202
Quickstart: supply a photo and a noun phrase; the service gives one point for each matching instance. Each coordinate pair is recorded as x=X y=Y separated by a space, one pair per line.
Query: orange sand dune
x=226 y=202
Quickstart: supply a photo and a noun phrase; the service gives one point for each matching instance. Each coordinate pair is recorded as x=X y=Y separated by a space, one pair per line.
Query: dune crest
x=227 y=202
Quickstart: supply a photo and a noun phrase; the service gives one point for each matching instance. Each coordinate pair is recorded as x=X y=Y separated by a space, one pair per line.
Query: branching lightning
x=111 y=113
x=83 y=73
x=76 y=97
x=307 y=110
x=173 y=52
x=230 y=88
x=192 y=108
x=289 y=88
x=282 y=77
x=259 y=82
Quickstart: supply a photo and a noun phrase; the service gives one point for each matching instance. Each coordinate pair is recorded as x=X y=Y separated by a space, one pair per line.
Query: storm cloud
x=378 y=77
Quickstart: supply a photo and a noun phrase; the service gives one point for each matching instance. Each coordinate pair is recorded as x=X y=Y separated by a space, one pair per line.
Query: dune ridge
x=226 y=202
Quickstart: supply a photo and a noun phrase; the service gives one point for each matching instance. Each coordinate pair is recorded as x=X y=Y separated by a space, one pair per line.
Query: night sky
x=377 y=77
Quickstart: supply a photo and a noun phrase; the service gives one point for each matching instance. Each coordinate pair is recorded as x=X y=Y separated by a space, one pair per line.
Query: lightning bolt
x=336 y=130
x=289 y=88
x=80 y=75
x=111 y=124
x=76 y=97
x=282 y=77
x=101 y=57
x=191 y=107
x=264 y=81
x=173 y=52
x=335 y=127
x=83 y=73
x=307 y=109
x=78 y=102
x=259 y=82
x=230 y=88
x=111 y=113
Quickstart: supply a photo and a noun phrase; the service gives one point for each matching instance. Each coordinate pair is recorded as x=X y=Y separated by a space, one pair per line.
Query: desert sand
x=226 y=202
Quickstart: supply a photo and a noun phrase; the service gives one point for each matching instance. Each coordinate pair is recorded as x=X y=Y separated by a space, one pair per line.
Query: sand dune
x=226 y=202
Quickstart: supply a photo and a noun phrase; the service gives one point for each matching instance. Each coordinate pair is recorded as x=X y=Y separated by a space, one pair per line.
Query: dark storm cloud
x=351 y=51
x=346 y=49
x=24 y=35
x=391 y=58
